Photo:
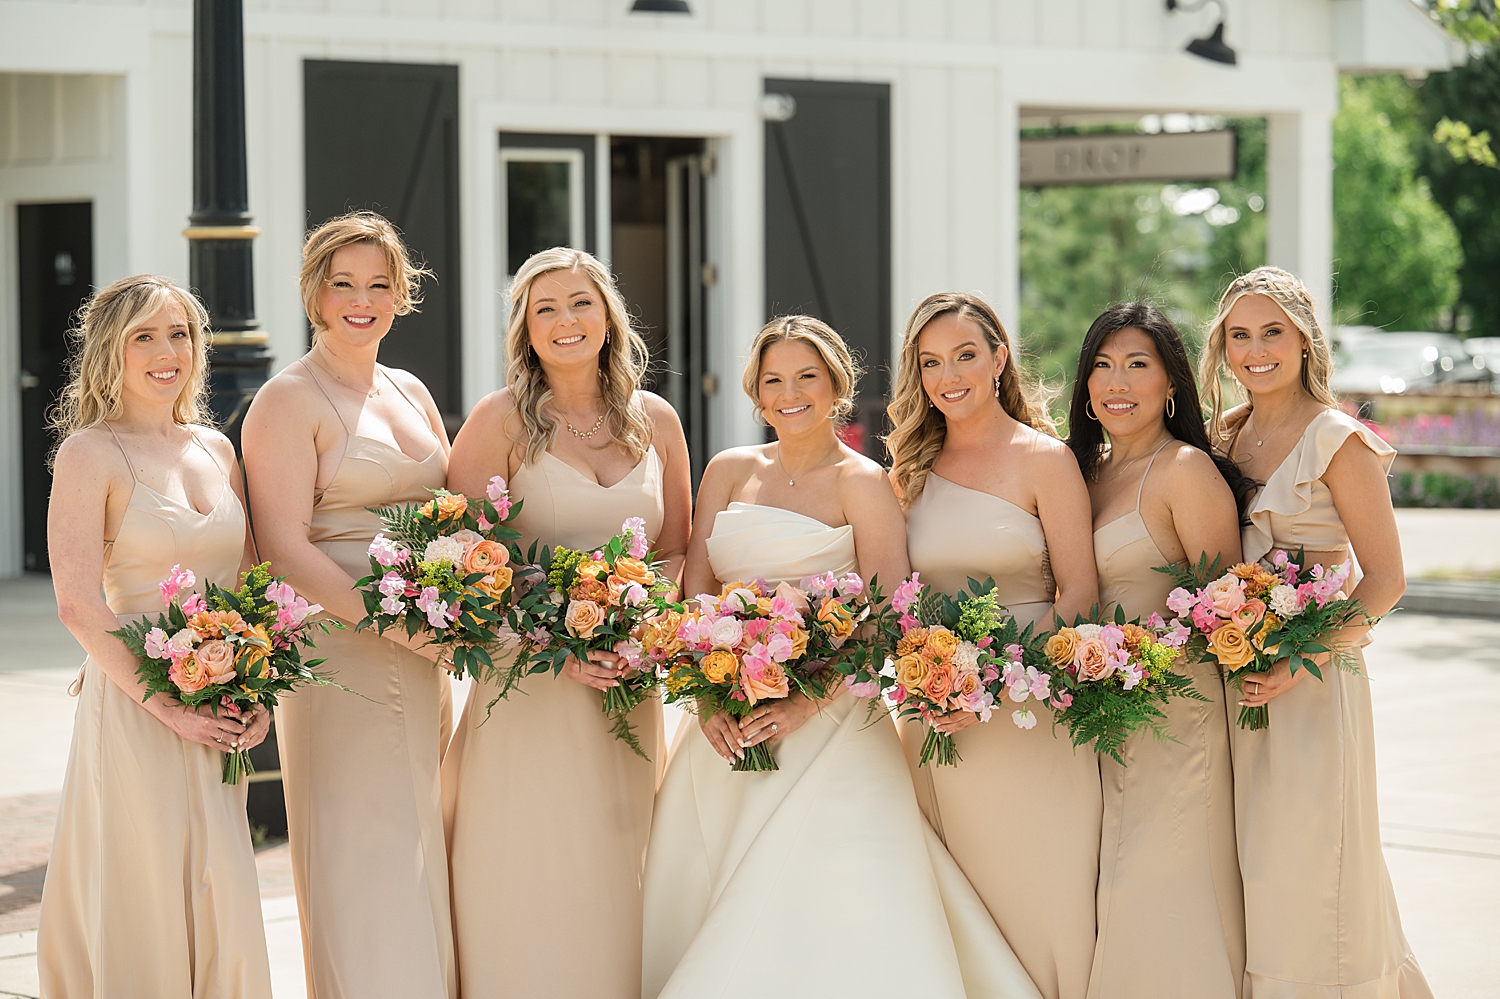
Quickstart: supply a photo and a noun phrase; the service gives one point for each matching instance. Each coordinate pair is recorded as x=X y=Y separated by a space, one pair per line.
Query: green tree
x=1396 y=253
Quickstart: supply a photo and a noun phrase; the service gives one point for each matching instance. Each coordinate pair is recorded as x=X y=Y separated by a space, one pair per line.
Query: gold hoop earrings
x=1088 y=408
x=1171 y=407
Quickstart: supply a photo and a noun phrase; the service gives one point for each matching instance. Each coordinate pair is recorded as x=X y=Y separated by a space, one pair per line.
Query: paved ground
x=1436 y=690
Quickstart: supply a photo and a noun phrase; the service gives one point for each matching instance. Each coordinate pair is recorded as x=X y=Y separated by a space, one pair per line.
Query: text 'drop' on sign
x=1124 y=157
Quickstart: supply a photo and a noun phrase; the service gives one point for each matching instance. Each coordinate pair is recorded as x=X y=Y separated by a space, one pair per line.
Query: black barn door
x=828 y=224
x=384 y=136
x=56 y=272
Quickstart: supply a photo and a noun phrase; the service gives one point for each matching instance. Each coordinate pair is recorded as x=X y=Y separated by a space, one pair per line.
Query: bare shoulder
x=217 y=444
x=664 y=418
x=1052 y=455
x=735 y=462
x=90 y=451
x=497 y=406
x=410 y=384
x=292 y=386
x=1189 y=468
x=863 y=480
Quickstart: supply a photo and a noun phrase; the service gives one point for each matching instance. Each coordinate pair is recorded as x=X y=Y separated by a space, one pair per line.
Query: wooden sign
x=1114 y=158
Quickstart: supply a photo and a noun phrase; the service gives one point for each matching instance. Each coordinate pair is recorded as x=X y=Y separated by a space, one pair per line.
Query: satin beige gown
x=820 y=878
x=363 y=800
x=1167 y=864
x=548 y=812
x=1021 y=813
x=1320 y=916
x=151 y=887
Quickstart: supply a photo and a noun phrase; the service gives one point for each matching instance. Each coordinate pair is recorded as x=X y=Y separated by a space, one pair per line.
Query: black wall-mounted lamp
x=660 y=7
x=1211 y=47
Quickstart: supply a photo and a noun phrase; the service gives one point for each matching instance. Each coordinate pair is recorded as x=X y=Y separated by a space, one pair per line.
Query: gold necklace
x=581 y=435
x=789 y=478
x=1295 y=406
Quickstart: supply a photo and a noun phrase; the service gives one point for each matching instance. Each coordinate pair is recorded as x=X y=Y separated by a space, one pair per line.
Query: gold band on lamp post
x=222 y=338
x=221 y=231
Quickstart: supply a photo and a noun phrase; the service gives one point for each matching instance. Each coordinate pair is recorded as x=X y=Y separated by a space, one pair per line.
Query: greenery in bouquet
x=444 y=568
x=1110 y=679
x=753 y=642
x=229 y=649
x=598 y=601
x=1249 y=618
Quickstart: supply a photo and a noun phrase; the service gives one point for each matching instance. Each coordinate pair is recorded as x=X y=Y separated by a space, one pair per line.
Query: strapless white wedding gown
x=818 y=879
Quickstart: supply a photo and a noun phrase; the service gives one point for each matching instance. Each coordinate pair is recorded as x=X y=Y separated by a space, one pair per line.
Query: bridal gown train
x=820 y=878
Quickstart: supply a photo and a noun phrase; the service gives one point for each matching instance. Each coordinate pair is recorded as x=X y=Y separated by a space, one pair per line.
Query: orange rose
x=583 y=618
x=911 y=641
x=660 y=634
x=1229 y=644
x=942 y=643
x=1268 y=624
x=939 y=683
x=486 y=557
x=591 y=569
x=967 y=683
x=189 y=675
x=496 y=583
x=763 y=606
x=217 y=624
x=770 y=683
x=217 y=660
x=836 y=620
x=720 y=666
x=445 y=506
x=255 y=650
x=1061 y=646
x=912 y=672
x=633 y=570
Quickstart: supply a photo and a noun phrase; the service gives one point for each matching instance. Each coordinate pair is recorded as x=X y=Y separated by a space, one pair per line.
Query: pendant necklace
x=793 y=481
x=1295 y=406
x=585 y=435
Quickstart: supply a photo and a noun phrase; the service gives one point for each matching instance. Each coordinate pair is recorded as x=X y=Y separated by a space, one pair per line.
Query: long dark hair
x=1086 y=434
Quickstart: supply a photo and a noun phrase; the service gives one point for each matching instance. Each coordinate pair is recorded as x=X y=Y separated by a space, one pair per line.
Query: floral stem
x=237 y=765
x=757 y=759
x=939 y=746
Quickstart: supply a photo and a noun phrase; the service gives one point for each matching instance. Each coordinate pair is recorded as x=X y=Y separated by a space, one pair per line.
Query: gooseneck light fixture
x=660 y=7
x=1211 y=47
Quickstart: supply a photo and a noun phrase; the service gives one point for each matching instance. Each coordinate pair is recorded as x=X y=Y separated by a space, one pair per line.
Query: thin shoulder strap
x=319 y=384
x=1141 y=491
x=209 y=453
x=420 y=411
x=123 y=453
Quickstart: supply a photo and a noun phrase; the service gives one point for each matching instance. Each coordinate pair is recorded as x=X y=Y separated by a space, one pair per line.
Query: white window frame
x=577 y=223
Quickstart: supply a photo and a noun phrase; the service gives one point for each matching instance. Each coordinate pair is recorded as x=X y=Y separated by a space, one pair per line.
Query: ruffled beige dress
x=548 y=812
x=151 y=887
x=1021 y=813
x=1171 y=908
x=1320 y=916
x=820 y=878
x=361 y=770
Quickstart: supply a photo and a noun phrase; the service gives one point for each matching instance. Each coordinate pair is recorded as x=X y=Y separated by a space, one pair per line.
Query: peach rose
x=189 y=675
x=1229 y=644
x=967 y=683
x=912 y=672
x=794 y=596
x=660 y=634
x=1225 y=595
x=633 y=570
x=943 y=643
x=614 y=586
x=939 y=683
x=496 y=583
x=486 y=557
x=445 y=506
x=1092 y=659
x=836 y=620
x=720 y=666
x=217 y=624
x=216 y=657
x=583 y=618
x=798 y=638
x=911 y=641
x=767 y=683
x=1249 y=613
x=1061 y=646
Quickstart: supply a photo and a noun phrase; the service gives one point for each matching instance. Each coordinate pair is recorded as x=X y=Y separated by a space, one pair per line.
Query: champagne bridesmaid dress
x=1320 y=915
x=819 y=878
x=1167 y=865
x=363 y=800
x=548 y=812
x=1021 y=813
x=151 y=887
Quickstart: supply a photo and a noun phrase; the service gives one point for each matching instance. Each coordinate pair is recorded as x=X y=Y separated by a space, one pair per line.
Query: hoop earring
x=1088 y=408
x=1171 y=407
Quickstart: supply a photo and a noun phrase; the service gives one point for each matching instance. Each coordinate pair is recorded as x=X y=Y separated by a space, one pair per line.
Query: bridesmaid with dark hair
x=1167 y=864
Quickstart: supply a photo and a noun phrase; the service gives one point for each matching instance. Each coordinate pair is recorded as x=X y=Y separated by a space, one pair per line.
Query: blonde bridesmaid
x=151 y=888
x=549 y=813
x=332 y=435
x=1320 y=915
x=1167 y=864
x=988 y=492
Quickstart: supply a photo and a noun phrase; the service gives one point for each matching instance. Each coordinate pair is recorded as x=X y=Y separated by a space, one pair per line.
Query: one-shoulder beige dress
x=1021 y=813
x=819 y=878
x=1320 y=916
x=1167 y=864
x=549 y=813
x=361 y=770
x=151 y=887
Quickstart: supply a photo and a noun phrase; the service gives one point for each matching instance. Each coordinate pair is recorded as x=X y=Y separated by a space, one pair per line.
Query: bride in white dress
x=820 y=878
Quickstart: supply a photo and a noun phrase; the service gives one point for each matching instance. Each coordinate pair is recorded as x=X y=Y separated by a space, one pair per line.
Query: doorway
x=56 y=272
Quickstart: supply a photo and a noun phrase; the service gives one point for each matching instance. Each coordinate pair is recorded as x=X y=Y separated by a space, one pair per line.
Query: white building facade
x=667 y=144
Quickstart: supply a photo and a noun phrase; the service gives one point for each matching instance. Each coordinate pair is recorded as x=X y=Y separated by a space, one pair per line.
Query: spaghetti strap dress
x=361 y=769
x=151 y=888
x=1017 y=795
x=1167 y=863
x=548 y=812
x=1320 y=916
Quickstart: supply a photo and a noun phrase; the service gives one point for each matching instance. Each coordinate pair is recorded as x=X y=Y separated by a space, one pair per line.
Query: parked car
x=1486 y=349
x=1370 y=361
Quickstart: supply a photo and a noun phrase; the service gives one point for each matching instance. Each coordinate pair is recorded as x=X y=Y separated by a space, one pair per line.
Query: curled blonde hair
x=96 y=364
x=623 y=359
x=919 y=428
x=1287 y=291
x=843 y=370
x=359 y=227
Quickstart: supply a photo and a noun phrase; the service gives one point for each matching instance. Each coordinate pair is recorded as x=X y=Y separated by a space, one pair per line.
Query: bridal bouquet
x=602 y=600
x=753 y=643
x=1256 y=614
x=443 y=568
x=1109 y=680
x=231 y=649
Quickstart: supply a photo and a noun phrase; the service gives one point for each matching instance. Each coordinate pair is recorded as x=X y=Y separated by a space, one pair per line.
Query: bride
x=820 y=878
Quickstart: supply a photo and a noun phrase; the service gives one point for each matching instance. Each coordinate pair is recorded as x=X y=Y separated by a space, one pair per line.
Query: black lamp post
x=219 y=234
x=1212 y=47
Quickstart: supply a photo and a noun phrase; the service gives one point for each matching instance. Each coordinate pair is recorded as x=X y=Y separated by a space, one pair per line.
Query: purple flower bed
x=1469 y=429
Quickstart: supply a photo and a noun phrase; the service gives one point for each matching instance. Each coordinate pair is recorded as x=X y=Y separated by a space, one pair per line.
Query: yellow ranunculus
x=720 y=666
x=943 y=643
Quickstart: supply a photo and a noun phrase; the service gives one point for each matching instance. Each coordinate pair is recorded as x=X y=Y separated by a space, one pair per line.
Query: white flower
x=966 y=656
x=446 y=547
x=467 y=539
x=1087 y=631
x=1284 y=602
x=725 y=632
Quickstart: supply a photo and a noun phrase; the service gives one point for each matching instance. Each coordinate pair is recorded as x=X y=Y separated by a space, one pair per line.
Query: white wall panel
x=1102 y=23
x=784 y=17
x=1061 y=22
x=925 y=19
x=582 y=78
x=171 y=156
x=923 y=101
x=880 y=18
x=737 y=82
x=978 y=176
x=1016 y=21
x=526 y=75
x=635 y=81
x=834 y=17
x=972 y=21
x=686 y=82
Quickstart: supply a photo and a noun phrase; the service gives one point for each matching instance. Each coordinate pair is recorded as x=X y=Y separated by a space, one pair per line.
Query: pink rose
x=1225 y=595
x=763 y=680
x=1092 y=659
x=1249 y=613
